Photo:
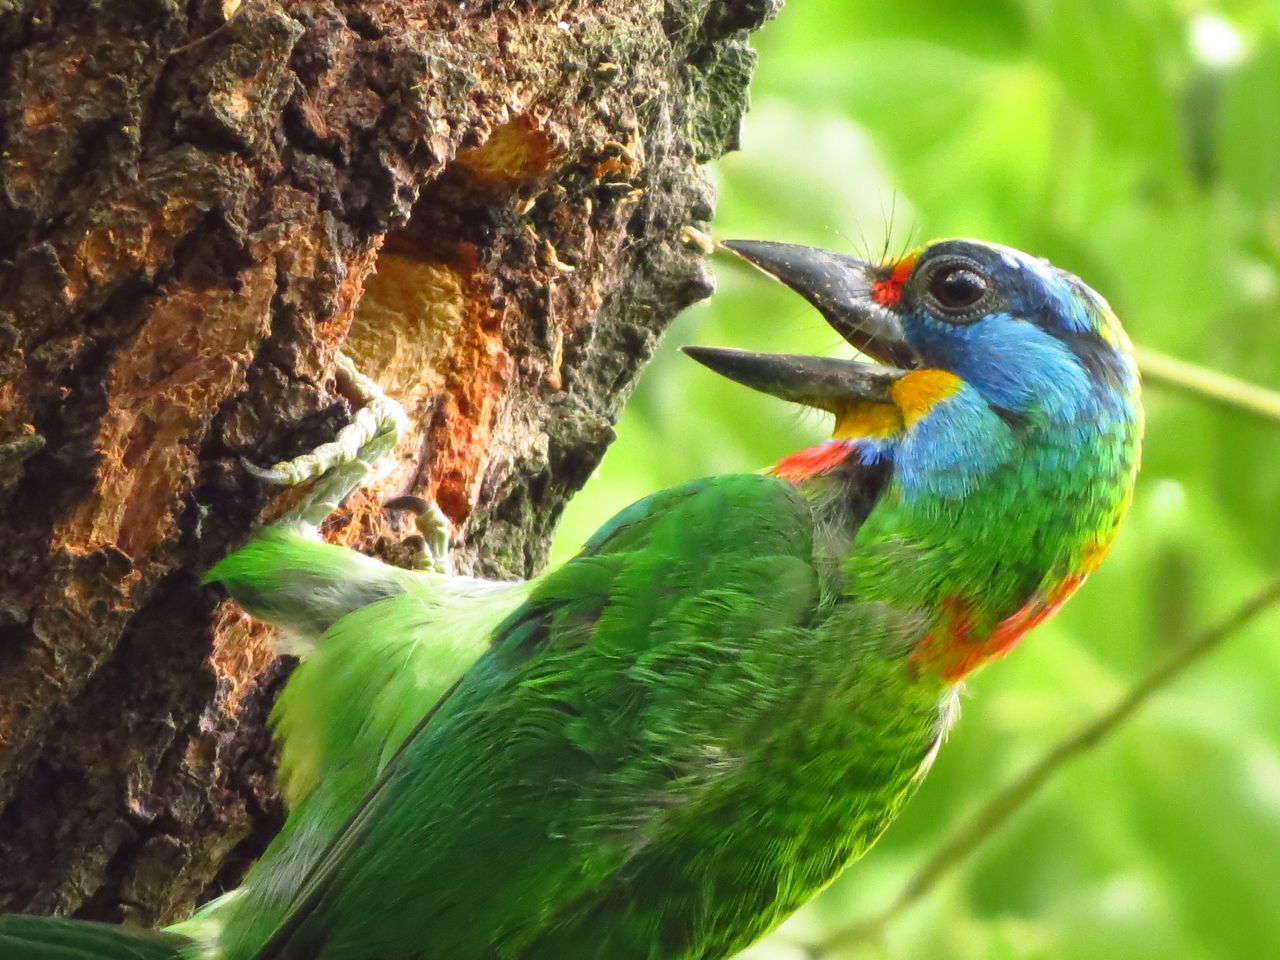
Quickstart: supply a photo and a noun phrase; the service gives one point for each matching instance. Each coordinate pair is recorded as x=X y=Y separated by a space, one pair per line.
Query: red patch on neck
x=953 y=651
x=888 y=292
x=811 y=462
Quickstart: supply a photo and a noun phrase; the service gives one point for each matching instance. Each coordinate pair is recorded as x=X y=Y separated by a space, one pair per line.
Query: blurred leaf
x=1250 y=134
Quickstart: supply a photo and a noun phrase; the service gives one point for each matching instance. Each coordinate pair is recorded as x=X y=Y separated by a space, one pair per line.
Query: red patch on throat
x=811 y=462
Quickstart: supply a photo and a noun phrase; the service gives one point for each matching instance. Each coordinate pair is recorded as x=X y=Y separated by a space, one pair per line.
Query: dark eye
x=958 y=287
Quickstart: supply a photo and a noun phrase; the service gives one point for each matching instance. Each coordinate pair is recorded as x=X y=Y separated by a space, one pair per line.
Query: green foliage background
x=1137 y=143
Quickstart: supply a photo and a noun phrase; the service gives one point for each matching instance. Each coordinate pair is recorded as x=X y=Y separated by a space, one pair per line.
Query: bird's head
x=979 y=469
x=974 y=334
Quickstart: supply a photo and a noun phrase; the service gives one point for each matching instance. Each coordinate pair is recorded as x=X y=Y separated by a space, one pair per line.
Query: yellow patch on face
x=915 y=393
x=867 y=419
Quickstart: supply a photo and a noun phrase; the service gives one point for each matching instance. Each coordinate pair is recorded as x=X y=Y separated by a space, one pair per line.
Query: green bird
x=662 y=748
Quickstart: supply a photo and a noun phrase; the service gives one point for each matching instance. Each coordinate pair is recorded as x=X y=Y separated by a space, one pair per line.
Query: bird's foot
x=339 y=466
x=434 y=531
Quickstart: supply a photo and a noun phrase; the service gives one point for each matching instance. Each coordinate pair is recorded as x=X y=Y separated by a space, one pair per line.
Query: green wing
x=616 y=695
x=51 y=938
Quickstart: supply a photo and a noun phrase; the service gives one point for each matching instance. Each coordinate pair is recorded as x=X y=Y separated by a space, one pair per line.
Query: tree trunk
x=494 y=207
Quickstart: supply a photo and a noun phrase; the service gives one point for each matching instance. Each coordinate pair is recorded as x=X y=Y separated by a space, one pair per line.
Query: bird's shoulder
x=730 y=510
x=721 y=543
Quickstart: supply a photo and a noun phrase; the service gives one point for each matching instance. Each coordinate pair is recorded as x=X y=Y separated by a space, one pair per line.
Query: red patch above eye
x=888 y=292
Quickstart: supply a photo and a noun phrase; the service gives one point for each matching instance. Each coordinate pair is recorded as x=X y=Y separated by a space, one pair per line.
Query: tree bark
x=494 y=207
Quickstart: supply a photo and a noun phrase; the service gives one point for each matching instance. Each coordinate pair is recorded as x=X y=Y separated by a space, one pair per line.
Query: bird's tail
x=49 y=938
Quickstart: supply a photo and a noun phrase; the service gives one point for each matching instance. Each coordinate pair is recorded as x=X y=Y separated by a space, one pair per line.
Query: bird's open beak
x=841 y=288
x=823 y=382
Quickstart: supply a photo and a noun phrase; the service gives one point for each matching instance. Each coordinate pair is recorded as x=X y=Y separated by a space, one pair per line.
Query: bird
x=661 y=748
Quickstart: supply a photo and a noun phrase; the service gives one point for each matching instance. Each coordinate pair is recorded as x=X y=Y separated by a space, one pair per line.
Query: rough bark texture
x=487 y=204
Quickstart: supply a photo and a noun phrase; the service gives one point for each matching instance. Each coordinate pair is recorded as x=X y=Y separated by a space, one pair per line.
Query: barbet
x=663 y=747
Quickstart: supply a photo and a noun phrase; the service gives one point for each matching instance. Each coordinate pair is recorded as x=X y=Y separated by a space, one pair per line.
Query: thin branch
x=1229 y=391
x=997 y=810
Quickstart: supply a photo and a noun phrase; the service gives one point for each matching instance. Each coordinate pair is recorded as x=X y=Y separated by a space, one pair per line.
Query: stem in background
x=1238 y=394
x=993 y=814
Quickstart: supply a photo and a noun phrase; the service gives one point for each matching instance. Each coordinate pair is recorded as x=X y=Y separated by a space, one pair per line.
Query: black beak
x=822 y=382
x=840 y=287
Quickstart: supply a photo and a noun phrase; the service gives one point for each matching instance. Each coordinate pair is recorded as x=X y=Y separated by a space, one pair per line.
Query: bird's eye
x=959 y=287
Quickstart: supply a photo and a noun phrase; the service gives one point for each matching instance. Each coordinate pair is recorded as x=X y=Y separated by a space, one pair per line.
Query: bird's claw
x=341 y=464
x=434 y=530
